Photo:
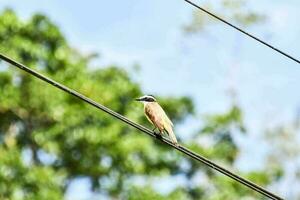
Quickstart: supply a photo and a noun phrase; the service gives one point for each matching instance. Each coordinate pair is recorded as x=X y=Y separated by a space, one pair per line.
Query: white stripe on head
x=148 y=98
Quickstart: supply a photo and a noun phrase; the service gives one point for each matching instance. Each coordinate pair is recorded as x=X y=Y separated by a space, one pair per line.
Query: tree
x=49 y=138
x=283 y=157
x=216 y=140
x=217 y=137
x=232 y=10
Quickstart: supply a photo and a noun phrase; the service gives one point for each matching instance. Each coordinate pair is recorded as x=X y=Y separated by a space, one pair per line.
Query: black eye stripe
x=149 y=99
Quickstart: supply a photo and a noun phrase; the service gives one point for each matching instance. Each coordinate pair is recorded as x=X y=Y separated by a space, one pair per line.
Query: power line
x=244 y=32
x=180 y=148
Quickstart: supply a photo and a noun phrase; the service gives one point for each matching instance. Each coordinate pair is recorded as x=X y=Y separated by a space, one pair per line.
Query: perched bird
x=157 y=116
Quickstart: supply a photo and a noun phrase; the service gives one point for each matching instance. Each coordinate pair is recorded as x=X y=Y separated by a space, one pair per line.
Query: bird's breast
x=155 y=114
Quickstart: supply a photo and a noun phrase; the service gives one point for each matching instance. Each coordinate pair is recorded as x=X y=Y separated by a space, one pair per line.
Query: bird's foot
x=158 y=135
x=176 y=144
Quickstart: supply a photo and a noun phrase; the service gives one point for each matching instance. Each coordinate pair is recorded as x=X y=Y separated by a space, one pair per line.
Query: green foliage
x=49 y=138
x=19 y=180
x=65 y=138
x=146 y=193
x=232 y=10
x=220 y=128
x=220 y=146
x=283 y=158
x=222 y=123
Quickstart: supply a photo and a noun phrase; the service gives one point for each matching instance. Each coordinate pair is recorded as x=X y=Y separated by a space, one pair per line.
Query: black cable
x=184 y=150
x=244 y=32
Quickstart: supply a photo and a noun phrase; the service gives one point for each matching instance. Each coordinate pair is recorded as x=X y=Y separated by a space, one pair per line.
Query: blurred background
x=231 y=99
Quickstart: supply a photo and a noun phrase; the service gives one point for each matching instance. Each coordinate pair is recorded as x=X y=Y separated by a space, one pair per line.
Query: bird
x=157 y=116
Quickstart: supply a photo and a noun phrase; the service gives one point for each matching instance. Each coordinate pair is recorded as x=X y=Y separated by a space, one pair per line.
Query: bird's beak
x=138 y=99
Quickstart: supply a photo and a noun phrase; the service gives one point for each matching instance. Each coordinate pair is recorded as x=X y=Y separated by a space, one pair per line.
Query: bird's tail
x=172 y=135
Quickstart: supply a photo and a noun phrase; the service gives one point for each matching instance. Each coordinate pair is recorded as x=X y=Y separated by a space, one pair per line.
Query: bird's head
x=146 y=98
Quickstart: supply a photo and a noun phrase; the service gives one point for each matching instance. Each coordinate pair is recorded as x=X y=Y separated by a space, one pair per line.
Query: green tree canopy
x=49 y=138
x=235 y=11
x=61 y=137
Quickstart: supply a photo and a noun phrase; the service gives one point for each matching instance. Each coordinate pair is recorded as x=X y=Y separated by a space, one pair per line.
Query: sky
x=149 y=34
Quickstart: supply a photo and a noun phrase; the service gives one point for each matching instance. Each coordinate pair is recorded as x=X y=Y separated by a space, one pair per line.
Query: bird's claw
x=157 y=135
x=176 y=144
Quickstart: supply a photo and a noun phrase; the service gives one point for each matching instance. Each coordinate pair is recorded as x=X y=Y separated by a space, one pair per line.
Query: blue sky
x=149 y=33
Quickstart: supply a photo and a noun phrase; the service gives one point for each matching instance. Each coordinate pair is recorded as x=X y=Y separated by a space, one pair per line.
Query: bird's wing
x=164 y=116
x=167 y=125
